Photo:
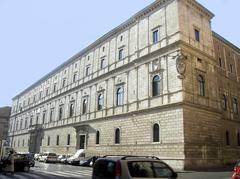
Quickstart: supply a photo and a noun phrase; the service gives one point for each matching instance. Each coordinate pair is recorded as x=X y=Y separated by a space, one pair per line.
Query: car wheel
x=26 y=168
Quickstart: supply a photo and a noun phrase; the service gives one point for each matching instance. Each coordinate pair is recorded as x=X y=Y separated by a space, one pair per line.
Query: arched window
x=43 y=117
x=201 y=85
x=238 y=139
x=97 y=137
x=155 y=133
x=227 y=138
x=60 y=113
x=235 y=105
x=87 y=71
x=84 y=108
x=224 y=102
x=117 y=136
x=71 y=110
x=156 y=86
x=30 y=124
x=26 y=123
x=120 y=94
x=100 y=102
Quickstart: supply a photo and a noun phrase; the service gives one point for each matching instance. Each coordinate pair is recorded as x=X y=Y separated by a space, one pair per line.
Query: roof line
x=112 y=32
x=129 y=21
x=219 y=37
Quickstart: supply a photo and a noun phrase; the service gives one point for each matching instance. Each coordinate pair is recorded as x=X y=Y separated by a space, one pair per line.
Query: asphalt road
x=60 y=171
x=53 y=171
x=220 y=173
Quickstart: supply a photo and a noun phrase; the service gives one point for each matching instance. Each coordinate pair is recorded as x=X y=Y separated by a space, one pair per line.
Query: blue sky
x=37 y=36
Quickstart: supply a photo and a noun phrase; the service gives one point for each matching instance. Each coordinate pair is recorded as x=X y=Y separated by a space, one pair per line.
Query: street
x=60 y=171
x=53 y=171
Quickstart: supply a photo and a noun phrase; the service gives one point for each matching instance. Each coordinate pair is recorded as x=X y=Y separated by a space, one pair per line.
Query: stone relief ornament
x=119 y=80
x=156 y=65
x=181 y=65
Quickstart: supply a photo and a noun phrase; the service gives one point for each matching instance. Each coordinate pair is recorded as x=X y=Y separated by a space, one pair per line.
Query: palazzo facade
x=162 y=83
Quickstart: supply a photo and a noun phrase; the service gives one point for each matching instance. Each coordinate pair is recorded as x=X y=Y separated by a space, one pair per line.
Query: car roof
x=129 y=157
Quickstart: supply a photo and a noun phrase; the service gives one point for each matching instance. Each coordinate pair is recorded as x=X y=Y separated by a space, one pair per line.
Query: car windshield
x=52 y=154
x=237 y=164
x=149 y=169
x=79 y=153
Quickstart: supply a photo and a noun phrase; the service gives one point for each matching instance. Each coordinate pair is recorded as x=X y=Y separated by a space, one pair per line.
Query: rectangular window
x=120 y=54
x=47 y=91
x=102 y=63
x=40 y=95
x=64 y=82
x=68 y=139
x=220 y=62
x=55 y=87
x=57 y=143
x=74 y=77
x=197 y=35
x=51 y=115
x=48 y=141
x=231 y=68
x=155 y=36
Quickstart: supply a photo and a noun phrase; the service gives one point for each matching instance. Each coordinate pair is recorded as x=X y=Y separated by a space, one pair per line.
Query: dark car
x=31 y=159
x=129 y=167
x=21 y=162
x=236 y=172
x=88 y=161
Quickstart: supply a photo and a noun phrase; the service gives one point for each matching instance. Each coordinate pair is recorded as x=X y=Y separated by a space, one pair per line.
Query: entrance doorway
x=82 y=141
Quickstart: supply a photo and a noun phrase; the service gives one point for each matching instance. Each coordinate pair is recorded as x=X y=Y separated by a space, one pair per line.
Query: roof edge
x=103 y=38
x=219 y=37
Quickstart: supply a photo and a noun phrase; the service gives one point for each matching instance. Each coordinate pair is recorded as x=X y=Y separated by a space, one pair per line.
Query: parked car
x=64 y=160
x=60 y=157
x=21 y=162
x=75 y=159
x=88 y=161
x=129 y=167
x=37 y=156
x=48 y=157
x=236 y=172
x=31 y=159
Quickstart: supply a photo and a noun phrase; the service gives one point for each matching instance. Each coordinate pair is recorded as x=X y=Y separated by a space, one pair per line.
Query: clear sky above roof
x=37 y=36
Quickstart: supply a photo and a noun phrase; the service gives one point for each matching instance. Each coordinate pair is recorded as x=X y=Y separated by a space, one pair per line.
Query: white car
x=48 y=157
x=75 y=159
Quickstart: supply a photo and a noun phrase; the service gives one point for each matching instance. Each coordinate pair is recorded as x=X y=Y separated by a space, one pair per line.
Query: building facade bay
x=152 y=86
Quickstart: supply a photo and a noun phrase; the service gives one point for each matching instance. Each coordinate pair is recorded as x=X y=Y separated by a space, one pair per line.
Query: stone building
x=162 y=83
x=4 y=121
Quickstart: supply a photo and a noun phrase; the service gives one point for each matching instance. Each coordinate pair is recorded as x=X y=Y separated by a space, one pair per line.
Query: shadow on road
x=220 y=169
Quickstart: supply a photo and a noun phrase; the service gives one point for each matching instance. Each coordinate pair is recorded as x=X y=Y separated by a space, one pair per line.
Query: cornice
x=150 y=8
x=200 y=7
x=219 y=37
